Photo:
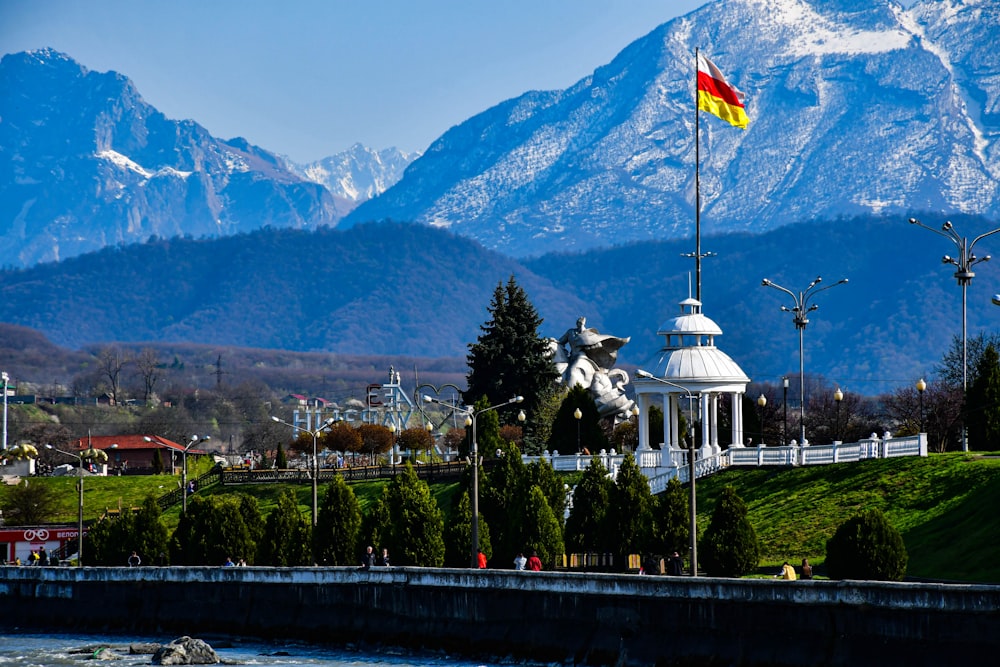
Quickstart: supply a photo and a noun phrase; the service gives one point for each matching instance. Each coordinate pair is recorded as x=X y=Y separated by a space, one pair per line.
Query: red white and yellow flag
x=719 y=97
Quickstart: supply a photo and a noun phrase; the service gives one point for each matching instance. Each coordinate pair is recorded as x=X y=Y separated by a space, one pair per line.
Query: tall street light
x=963 y=274
x=184 y=469
x=800 y=310
x=921 y=387
x=6 y=379
x=577 y=415
x=784 y=406
x=761 y=402
x=838 y=397
x=691 y=469
x=89 y=454
x=315 y=459
x=471 y=414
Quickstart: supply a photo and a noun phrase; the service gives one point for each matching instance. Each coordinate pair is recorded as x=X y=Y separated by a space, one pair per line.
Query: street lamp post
x=691 y=467
x=315 y=459
x=784 y=406
x=392 y=449
x=838 y=397
x=578 y=416
x=471 y=414
x=761 y=402
x=921 y=387
x=801 y=309
x=184 y=470
x=6 y=379
x=430 y=432
x=963 y=274
x=91 y=454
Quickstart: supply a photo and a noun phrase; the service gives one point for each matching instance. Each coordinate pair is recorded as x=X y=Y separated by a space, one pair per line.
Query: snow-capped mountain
x=85 y=162
x=359 y=173
x=855 y=106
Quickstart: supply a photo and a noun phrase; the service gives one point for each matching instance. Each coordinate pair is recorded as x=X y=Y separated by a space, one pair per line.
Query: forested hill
x=411 y=290
x=375 y=289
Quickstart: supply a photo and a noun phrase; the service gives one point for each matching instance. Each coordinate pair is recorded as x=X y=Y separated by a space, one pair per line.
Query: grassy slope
x=945 y=506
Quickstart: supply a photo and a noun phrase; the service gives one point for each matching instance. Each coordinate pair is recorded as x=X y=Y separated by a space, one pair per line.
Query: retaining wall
x=544 y=616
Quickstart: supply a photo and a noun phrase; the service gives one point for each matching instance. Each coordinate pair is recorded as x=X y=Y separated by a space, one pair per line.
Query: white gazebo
x=690 y=375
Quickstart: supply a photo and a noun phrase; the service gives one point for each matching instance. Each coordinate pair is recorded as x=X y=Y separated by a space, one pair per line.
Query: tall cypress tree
x=730 y=547
x=416 y=533
x=335 y=539
x=586 y=526
x=286 y=535
x=630 y=512
x=672 y=520
x=984 y=401
x=510 y=358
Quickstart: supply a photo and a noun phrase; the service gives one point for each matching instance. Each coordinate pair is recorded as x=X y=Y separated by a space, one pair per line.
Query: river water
x=50 y=650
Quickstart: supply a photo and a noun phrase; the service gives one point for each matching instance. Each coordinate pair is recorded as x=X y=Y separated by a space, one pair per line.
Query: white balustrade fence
x=660 y=466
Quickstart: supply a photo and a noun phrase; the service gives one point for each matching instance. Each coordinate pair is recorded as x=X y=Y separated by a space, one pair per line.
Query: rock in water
x=186 y=651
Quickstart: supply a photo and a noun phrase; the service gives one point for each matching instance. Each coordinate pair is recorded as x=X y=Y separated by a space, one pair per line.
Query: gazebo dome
x=689 y=352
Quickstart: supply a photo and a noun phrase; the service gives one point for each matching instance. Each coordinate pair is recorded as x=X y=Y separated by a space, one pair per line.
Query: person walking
x=535 y=563
x=481 y=559
x=134 y=560
x=520 y=561
x=384 y=561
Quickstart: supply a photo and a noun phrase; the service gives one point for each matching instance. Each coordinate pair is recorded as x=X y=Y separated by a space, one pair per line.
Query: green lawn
x=944 y=505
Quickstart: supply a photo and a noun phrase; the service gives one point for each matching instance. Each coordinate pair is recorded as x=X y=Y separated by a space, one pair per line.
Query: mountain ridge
x=611 y=158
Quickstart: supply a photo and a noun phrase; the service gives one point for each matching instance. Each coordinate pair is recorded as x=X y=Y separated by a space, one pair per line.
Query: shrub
x=866 y=546
x=730 y=544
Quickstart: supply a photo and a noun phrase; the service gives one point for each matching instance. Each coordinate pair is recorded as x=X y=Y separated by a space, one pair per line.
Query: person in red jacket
x=535 y=563
x=481 y=559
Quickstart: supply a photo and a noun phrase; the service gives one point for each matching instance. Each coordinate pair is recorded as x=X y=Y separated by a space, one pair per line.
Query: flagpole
x=697 y=184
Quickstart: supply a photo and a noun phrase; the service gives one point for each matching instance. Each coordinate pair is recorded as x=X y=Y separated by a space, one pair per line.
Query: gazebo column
x=669 y=425
x=737 y=410
x=704 y=409
x=643 y=421
x=714 y=401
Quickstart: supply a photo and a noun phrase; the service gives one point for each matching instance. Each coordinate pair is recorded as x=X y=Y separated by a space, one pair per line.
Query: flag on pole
x=719 y=97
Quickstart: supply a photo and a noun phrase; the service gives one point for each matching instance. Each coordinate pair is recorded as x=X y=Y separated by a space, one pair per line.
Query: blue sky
x=310 y=78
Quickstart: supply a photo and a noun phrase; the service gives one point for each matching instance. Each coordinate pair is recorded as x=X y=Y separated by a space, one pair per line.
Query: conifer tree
x=543 y=475
x=280 y=460
x=503 y=495
x=458 y=540
x=586 y=529
x=212 y=530
x=730 y=547
x=867 y=546
x=672 y=518
x=542 y=532
x=109 y=541
x=286 y=536
x=415 y=534
x=570 y=434
x=510 y=358
x=338 y=525
x=630 y=512
x=984 y=402
x=157 y=462
x=150 y=536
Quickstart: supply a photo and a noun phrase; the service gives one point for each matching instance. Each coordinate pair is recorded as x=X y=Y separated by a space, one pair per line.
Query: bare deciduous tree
x=112 y=360
x=148 y=366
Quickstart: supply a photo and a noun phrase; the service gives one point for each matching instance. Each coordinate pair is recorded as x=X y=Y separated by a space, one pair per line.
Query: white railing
x=838 y=452
x=660 y=466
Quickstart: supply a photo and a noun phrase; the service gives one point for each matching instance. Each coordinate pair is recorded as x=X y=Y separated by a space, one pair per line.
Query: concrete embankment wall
x=545 y=616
